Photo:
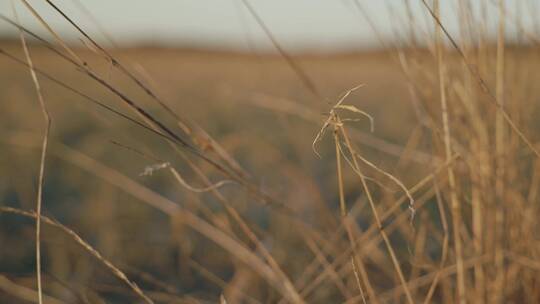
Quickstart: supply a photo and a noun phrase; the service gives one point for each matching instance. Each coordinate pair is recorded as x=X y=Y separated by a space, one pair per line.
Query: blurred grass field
x=293 y=227
x=229 y=95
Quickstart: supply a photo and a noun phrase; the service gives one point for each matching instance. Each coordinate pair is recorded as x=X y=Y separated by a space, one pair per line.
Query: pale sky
x=298 y=24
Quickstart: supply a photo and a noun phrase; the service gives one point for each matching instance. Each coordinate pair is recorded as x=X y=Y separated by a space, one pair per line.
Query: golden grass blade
x=455 y=203
x=44 y=145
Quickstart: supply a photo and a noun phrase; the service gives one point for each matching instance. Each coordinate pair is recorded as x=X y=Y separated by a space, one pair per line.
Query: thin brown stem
x=44 y=144
x=454 y=201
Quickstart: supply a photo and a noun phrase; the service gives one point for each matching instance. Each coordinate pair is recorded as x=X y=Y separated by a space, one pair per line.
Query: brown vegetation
x=187 y=176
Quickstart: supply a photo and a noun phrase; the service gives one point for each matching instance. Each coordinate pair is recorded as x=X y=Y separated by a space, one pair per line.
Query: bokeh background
x=264 y=102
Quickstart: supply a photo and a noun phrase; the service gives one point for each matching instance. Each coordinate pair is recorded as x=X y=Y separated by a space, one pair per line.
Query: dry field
x=409 y=175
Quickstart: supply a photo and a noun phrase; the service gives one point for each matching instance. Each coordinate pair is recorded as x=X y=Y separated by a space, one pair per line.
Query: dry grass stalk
x=500 y=152
x=44 y=145
x=356 y=262
x=339 y=131
x=455 y=204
